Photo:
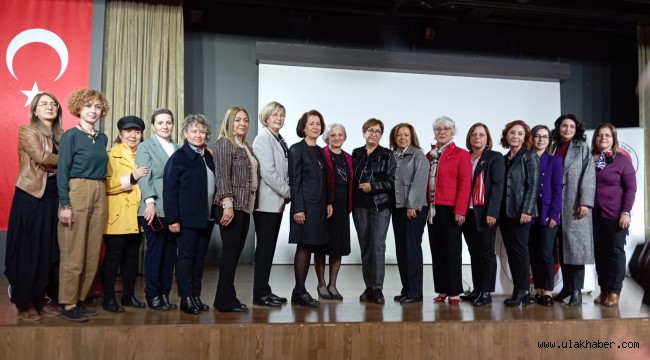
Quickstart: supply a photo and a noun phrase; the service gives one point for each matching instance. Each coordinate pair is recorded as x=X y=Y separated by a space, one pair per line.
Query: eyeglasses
x=439 y=130
x=542 y=137
x=374 y=132
x=44 y=104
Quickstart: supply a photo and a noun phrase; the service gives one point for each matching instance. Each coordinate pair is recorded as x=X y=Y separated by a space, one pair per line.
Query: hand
x=551 y=223
x=330 y=211
x=228 y=215
x=525 y=218
x=411 y=213
x=460 y=219
x=150 y=212
x=175 y=227
x=140 y=172
x=299 y=218
x=366 y=187
x=624 y=221
x=491 y=220
x=431 y=214
x=65 y=217
x=582 y=211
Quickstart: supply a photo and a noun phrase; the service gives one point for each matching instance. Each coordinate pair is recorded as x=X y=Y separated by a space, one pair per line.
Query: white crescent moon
x=37 y=35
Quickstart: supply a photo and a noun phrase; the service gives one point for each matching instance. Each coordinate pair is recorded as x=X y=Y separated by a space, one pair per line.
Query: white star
x=31 y=93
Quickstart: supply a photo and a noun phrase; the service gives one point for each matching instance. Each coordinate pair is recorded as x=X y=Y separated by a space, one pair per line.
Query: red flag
x=45 y=47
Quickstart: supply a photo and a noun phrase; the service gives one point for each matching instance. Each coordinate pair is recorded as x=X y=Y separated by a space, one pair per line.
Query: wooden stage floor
x=336 y=330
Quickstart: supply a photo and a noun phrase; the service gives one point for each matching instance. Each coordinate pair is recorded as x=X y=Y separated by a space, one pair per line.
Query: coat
x=273 y=190
x=522 y=185
x=309 y=194
x=235 y=173
x=411 y=178
x=123 y=198
x=382 y=186
x=454 y=179
x=185 y=188
x=152 y=155
x=579 y=189
x=494 y=171
x=549 y=202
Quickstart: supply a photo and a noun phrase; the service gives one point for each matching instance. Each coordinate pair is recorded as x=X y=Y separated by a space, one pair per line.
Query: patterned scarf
x=433 y=175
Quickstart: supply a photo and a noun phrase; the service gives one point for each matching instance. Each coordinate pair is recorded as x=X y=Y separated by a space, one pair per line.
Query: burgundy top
x=615 y=187
x=562 y=149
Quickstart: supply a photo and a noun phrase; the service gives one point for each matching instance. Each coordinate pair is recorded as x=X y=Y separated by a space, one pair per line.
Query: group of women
x=548 y=183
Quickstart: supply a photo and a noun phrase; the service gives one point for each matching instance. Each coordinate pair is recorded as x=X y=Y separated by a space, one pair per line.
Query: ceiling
x=602 y=16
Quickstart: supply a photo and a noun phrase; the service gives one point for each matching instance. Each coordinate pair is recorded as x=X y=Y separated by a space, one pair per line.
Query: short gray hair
x=329 y=129
x=197 y=119
x=446 y=121
x=265 y=114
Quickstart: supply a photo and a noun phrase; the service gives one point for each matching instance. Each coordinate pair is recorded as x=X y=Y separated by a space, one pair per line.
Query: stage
x=336 y=330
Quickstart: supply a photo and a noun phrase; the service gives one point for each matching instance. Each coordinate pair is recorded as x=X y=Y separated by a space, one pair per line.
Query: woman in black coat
x=310 y=203
x=480 y=229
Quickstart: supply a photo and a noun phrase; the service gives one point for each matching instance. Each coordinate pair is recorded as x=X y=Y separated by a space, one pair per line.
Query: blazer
x=579 y=189
x=411 y=177
x=494 y=170
x=330 y=175
x=454 y=179
x=383 y=175
x=235 y=173
x=122 y=198
x=273 y=192
x=308 y=185
x=522 y=184
x=152 y=155
x=185 y=187
x=549 y=202
x=35 y=159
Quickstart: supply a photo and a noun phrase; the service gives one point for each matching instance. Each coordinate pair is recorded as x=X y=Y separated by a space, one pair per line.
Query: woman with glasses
x=32 y=253
x=448 y=191
x=373 y=198
x=544 y=226
x=81 y=182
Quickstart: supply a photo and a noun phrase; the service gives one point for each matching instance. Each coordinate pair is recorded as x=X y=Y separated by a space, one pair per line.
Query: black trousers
x=609 y=249
x=192 y=246
x=122 y=252
x=408 y=248
x=233 y=237
x=446 y=242
x=480 y=245
x=541 y=256
x=573 y=276
x=267 y=228
x=515 y=238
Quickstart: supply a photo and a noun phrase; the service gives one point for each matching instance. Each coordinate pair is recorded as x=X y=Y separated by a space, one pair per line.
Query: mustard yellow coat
x=122 y=198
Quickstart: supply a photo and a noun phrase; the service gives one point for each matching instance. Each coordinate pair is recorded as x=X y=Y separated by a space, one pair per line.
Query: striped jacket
x=234 y=173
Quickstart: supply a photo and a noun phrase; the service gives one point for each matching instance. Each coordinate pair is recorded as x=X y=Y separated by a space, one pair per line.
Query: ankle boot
x=165 y=299
x=199 y=304
x=188 y=306
x=576 y=298
x=518 y=297
x=483 y=298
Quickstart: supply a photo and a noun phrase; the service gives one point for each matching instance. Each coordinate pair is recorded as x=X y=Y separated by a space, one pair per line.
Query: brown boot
x=601 y=298
x=612 y=300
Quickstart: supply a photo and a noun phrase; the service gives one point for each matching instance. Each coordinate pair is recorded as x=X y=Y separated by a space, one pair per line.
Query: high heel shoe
x=453 y=300
x=440 y=298
x=563 y=294
x=188 y=306
x=471 y=296
x=576 y=298
x=484 y=298
x=518 y=297
x=325 y=294
x=545 y=300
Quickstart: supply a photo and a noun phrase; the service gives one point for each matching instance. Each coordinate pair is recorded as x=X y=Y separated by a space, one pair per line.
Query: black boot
x=111 y=304
x=471 y=296
x=563 y=294
x=576 y=298
x=518 y=297
x=188 y=306
x=132 y=301
x=483 y=298
x=199 y=304
x=165 y=299
x=157 y=303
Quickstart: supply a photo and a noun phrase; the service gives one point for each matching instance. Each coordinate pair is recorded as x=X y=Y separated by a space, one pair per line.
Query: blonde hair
x=226 y=125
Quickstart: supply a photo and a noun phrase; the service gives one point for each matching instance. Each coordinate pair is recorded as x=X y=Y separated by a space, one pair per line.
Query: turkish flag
x=46 y=47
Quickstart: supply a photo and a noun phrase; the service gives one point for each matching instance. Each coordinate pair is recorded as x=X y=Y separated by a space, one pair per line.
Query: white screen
x=351 y=97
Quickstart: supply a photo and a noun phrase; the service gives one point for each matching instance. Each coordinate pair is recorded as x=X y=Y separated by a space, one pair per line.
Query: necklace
x=92 y=136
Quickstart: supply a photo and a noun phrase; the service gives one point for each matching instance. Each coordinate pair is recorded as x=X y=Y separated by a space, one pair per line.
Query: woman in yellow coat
x=122 y=235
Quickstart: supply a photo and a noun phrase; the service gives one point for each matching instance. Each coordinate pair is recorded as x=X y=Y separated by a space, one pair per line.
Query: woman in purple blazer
x=615 y=191
x=544 y=227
